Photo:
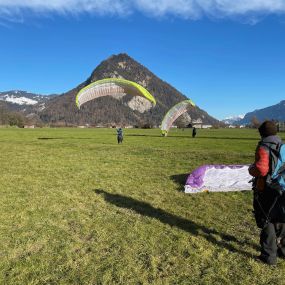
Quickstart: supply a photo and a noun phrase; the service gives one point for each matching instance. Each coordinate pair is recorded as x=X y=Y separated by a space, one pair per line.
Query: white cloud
x=66 y=6
x=188 y=9
x=181 y=8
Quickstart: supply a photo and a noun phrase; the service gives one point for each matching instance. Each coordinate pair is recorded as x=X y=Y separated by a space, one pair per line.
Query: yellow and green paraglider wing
x=114 y=87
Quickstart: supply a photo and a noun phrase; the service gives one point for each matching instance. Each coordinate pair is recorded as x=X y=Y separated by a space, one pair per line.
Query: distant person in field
x=268 y=203
x=120 y=135
x=194 y=132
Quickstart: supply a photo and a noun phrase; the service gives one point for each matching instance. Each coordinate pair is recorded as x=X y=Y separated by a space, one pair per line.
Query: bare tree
x=255 y=122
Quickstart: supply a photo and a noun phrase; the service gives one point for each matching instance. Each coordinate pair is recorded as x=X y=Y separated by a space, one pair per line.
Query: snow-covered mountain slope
x=232 y=120
x=22 y=97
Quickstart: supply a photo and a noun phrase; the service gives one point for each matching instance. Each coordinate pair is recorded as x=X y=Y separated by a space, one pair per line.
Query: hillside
x=275 y=112
x=20 y=107
x=17 y=100
x=111 y=111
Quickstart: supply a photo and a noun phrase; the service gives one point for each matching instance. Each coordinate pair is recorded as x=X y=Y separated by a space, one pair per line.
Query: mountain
x=275 y=112
x=233 y=120
x=21 y=107
x=17 y=100
x=128 y=110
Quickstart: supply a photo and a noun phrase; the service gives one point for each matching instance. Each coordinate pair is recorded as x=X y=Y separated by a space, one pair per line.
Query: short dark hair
x=267 y=128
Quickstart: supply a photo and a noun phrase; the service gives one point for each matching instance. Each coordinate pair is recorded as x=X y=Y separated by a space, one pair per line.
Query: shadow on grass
x=217 y=238
x=228 y=138
x=190 y=137
x=65 y=138
x=180 y=179
x=141 y=135
x=159 y=136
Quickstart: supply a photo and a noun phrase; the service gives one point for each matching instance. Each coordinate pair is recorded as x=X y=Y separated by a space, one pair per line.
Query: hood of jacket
x=271 y=140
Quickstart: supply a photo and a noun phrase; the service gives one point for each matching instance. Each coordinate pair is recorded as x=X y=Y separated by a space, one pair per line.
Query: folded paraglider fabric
x=218 y=178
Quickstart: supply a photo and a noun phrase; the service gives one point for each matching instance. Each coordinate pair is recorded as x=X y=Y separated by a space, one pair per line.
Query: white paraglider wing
x=174 y=113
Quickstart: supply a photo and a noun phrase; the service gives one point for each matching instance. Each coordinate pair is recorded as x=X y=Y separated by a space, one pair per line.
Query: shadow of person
x=64 y=138
x=217 y=238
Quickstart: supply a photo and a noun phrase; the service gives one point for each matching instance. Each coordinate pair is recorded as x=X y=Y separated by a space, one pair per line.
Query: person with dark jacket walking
x=194 y=132
x=268 y=204
x=120 y=135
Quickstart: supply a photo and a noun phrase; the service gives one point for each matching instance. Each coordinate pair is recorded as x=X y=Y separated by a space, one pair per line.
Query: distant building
x=207 y=126
x=198 y=123
x=29 y=126
x=84 y=126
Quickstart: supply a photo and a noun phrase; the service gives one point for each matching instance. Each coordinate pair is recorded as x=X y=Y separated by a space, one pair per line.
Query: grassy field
x=76 y=208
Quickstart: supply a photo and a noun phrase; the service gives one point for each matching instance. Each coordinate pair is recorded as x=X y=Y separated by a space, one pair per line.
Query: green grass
x=76 y=208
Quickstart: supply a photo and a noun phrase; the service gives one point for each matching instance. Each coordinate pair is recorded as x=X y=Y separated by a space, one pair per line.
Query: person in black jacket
x=194 y=132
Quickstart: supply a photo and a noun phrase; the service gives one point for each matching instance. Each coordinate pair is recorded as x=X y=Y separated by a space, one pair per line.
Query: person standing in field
x=120 y=135
x=194 y=132
x=268 y=203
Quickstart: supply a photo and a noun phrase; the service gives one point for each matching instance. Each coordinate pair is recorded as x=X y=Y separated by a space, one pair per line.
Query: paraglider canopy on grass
x=218 y=178
x=174 y=113
x=114 y=87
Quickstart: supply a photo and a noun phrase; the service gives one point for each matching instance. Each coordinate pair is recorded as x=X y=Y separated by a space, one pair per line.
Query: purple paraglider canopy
x=218 y=178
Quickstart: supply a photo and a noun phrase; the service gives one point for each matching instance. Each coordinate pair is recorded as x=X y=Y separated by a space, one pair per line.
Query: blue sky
x=227 y=57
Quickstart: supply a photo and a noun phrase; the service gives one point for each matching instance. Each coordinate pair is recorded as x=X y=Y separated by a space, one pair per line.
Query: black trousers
x=272 y=241
x=120 y=138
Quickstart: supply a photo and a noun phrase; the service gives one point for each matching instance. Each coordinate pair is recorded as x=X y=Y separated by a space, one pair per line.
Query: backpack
x=269 y=205
x=276 y=178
